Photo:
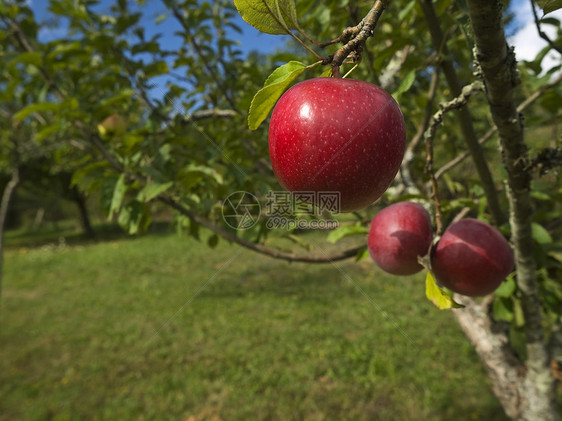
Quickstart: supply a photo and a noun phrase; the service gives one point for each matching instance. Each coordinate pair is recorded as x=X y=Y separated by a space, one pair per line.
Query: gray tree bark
x=533 y=390
x=6 y=196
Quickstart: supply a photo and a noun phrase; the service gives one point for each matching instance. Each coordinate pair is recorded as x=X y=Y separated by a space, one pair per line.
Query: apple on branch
x=337 y=135
x=472 y=258
x=399 y=234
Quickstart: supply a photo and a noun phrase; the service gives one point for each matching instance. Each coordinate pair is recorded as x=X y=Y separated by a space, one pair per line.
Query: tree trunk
x=6 y=196
x=80 y=201
x=463 y=114
x=491 y=341
x=497 y=66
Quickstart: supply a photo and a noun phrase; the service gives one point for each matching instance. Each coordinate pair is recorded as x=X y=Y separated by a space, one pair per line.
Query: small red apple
x=398 y=235
x=472 y=258
x=337 y=135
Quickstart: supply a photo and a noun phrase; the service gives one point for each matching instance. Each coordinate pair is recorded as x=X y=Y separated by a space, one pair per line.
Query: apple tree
x=453 y=119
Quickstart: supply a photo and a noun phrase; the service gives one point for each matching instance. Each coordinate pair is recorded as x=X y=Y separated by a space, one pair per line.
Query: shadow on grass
x=69 y=234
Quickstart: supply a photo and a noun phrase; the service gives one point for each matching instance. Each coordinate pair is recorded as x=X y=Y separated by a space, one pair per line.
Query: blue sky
x=250 y=39
x=523 y=32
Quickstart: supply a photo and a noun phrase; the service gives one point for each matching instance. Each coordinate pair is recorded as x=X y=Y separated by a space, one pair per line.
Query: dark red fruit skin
x=472 y=258
x=398 y=235
x=332 y=134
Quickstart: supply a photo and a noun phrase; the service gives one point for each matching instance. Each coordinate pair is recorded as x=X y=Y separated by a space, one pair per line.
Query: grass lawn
x=162 y=327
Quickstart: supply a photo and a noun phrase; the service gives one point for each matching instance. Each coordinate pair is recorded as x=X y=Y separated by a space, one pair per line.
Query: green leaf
x=270 y=16
x=124 y=95
x=63 y=48
x=405 y=10
x=94 y=170
x=345 y=231
x=518 y=312
x=213 y=241
x=274 y=86
x=538 y=195
x=438 y=296
x=150 y=191
x=549 y=5
x=406 y=84
x=362 y=254
x=34 y=108
x=70 y=104
x=299 y=240
x=160 y=18
x=503 y=309
x=506 y=288
x=550 y=21
x=135 y=217
x=541 y=235
x=193 y=174
x=33 y=58
x=46 y=132
x=118 y=194
x=155 y=69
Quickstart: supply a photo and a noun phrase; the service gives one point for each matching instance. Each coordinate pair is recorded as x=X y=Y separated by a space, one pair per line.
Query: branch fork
x=353 y=38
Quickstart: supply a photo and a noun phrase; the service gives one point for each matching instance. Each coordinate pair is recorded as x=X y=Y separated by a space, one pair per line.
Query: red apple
x=337 y=135
x=398 y=235
x=472 y=258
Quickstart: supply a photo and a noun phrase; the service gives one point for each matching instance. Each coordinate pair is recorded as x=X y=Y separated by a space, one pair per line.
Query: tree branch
x=213 y=113
x=491 y=341
x=429 y=135
x=409 y=155
x=259 y=248
x=210 y=70
x=356 y=37
x=465 y=118
x=277 y=254
x=520 y=108
x=541 y=33
x=26 y=45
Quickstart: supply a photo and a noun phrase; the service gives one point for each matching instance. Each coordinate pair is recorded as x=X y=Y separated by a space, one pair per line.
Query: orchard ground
x=122 y=329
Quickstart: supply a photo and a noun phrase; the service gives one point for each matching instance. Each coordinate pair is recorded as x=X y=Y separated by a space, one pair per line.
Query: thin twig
x=212 y=113
x=198 y=51
x=429 y=135
x=546 y=160
x=520 y=108
x=26 y=45
x=409 y=153
x=541 y=33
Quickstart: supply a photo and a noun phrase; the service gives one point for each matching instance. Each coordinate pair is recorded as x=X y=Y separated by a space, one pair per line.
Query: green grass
x=161 y=327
